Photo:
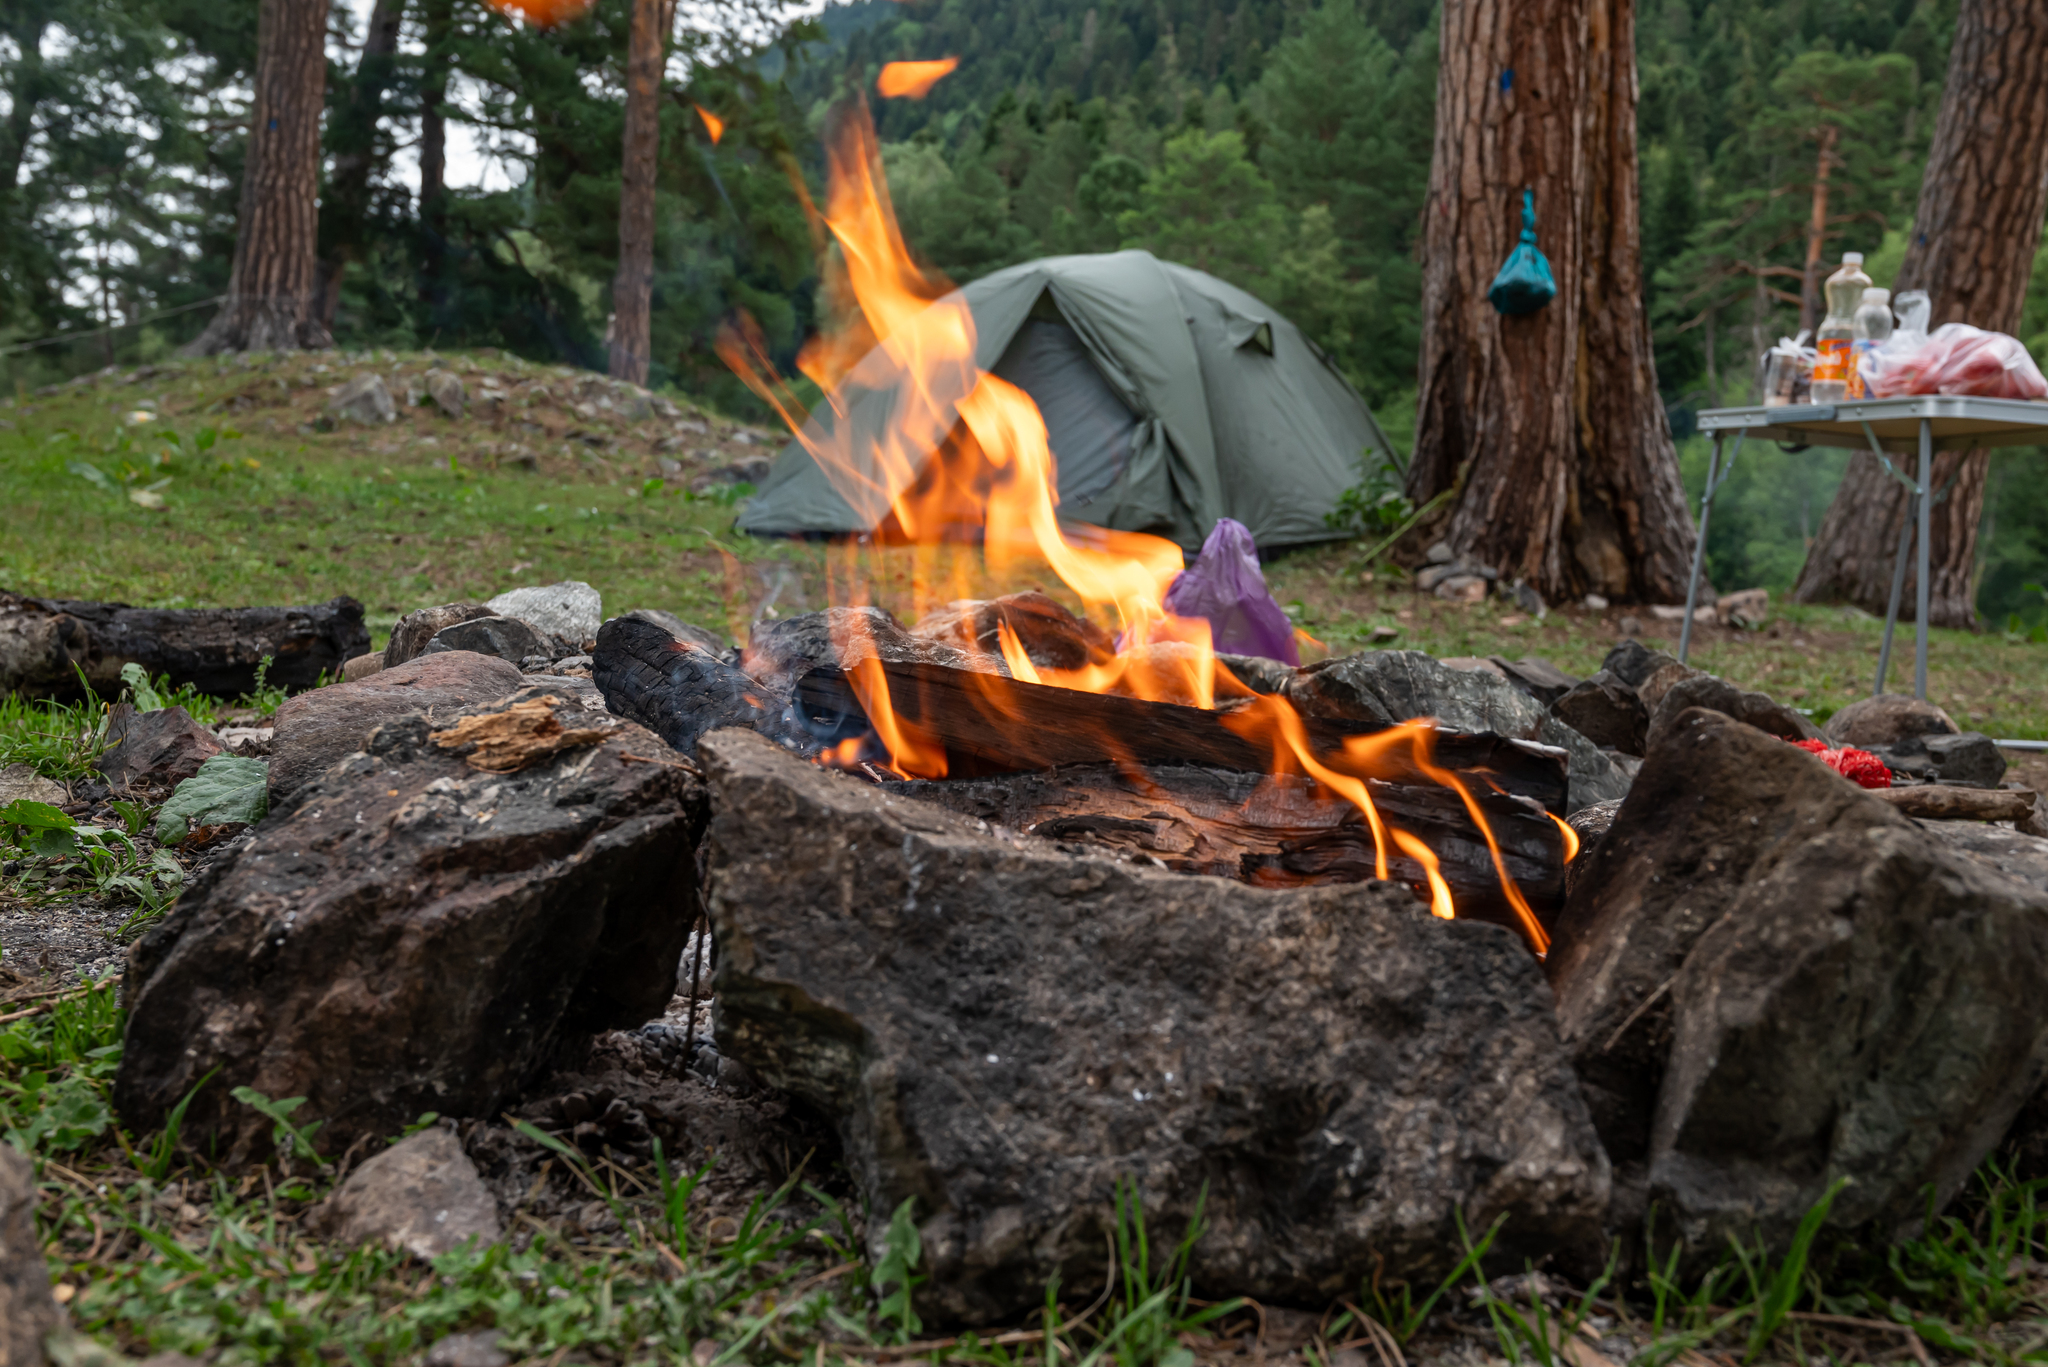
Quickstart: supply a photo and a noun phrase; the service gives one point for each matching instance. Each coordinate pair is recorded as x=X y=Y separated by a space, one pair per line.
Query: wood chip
x=523 y=734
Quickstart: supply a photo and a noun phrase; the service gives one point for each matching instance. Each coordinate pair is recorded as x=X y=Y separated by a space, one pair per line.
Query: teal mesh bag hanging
x=1524 y=283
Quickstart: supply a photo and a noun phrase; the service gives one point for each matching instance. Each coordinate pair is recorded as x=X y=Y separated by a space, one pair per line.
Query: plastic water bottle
x=1873 y=330
x=1838 y=331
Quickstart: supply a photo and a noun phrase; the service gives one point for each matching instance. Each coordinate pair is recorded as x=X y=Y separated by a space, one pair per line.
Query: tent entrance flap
x=1086 y=424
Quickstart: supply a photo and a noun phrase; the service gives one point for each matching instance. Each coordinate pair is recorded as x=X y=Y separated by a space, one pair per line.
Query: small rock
x=1595 y=603
x=1744 y=608
x=1633 y=663
x=1440 y=554
x=28 y=1311
x=364 y=400
x=1462 y=588
x=508 y=638
x=361 y=667
x=446 y=390
x=1528 y=600
x=312 y=730
x=1382 y=634
x=422 y=1195
x=632 y=404
x=1607 y=712
x=1675 y=612
x=563 y=666
x=1537 y=677
x=159 y=749
x=468 y=1350
x=535 y=664
x=1629 y=625
x=246 y=740
x=1887 y=719
x=570 y=610
x=1760 y=710
x=409 y=636
x=22 y=781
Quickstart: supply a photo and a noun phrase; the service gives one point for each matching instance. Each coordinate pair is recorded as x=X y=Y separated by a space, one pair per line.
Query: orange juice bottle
x=1835 y=371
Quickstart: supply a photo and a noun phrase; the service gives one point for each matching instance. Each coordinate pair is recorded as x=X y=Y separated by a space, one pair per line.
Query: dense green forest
x=1280 y=144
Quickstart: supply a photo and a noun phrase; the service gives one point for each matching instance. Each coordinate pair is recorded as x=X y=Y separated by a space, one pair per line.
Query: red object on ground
x=1858 y=766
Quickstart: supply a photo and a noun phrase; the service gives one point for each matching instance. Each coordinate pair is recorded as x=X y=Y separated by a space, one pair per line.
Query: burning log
x=987 y=725
x=1271 y=831
x=46 y=642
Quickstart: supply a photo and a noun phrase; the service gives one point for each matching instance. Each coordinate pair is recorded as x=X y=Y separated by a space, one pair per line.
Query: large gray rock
x=1002 y=1030
x=1401 y=685
x=422 y=1195
x=1752 y=709
x=445 y=389
x=570 y=610
x=1887 y=719
x=28 y=1312
x=419 y=934
x=1768 y=978
x=312 y=730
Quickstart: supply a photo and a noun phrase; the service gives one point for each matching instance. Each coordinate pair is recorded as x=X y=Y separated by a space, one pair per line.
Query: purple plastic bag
x=1226 y=586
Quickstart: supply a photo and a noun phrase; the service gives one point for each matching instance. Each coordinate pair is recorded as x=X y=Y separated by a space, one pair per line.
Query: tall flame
x=965 y=454
x=713 y=125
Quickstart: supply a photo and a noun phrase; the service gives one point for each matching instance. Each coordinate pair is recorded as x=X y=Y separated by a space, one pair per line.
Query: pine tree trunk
x=1551 y=420
x=273 y=285
x=1975 y=233
x=439 y=22
x=345 y=208
x=633 y=287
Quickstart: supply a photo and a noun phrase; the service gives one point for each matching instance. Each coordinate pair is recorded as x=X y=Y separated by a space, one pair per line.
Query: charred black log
x=46 y=643
x=679 y=690
x=991 y=725
x=1272 y=831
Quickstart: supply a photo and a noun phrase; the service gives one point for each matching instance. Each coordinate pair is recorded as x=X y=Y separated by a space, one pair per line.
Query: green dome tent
x=1170 y=399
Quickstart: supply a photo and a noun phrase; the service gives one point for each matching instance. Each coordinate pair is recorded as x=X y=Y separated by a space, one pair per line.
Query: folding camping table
x=1939 y=422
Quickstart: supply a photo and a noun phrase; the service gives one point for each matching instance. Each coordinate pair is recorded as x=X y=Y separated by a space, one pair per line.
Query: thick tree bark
x=1552 y=420
x=633 y=288
x=273 y=286
x=1975 y=233
x=344 y=224
x=439 y=19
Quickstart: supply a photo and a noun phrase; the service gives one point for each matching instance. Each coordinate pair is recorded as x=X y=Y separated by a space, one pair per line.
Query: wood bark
x=439 y=23
x=273 y=285
x=45 y=643
x=1975 y=233
x=633 y=287
x=353 y=134
x=1551 y=420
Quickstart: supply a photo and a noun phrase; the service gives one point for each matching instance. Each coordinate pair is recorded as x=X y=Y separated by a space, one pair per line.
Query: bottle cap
x=1852 y=258
x=1877 y=296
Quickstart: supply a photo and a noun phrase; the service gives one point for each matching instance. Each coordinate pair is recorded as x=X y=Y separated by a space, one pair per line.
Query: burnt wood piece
x=678 y=689
x=1938 y=802
x=1270 y=832
x=46 y=642
x=992 y=725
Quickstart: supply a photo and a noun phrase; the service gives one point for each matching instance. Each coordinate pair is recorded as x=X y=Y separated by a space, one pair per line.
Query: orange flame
x=1571 y=837
x=913 y=80
x=542 y=13
x=713 y=125
x=965 y=455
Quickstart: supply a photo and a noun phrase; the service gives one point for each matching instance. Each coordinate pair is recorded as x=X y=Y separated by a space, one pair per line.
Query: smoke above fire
x=967 y=456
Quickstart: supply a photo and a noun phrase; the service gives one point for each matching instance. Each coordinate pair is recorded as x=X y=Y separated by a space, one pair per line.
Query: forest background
x=1280 y=144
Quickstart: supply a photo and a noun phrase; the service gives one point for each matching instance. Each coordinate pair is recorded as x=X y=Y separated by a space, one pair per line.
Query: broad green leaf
x=39 y=816
x=147 y=699
x=91 y=474
x=226 y=788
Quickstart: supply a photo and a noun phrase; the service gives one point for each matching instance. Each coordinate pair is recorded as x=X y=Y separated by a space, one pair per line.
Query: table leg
x=1923 y=589
x=1891 y=613
x=1699 y=547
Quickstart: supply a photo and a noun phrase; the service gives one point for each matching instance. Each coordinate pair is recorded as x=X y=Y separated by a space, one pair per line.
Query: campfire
x=1158 y=718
